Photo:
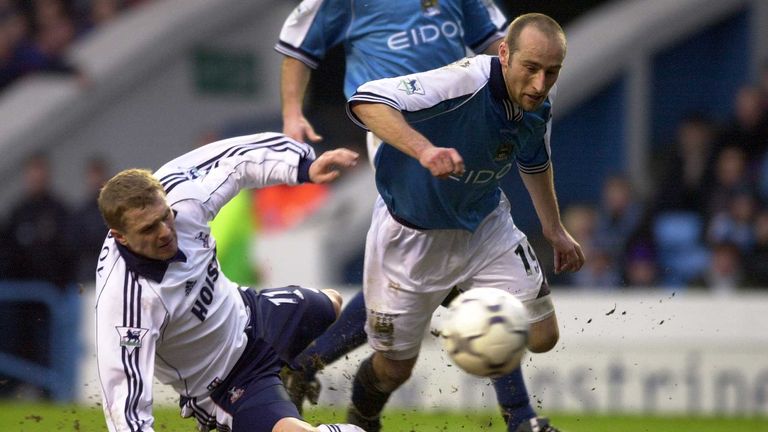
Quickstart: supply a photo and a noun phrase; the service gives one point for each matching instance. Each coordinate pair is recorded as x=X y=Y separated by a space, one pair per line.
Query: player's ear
x=119 y=237
x=504 y=53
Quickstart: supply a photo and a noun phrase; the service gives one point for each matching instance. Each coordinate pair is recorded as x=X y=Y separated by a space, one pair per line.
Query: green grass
x=64 y=418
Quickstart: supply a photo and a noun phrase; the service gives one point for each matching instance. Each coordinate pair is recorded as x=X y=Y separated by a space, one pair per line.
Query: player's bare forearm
x=389 y=124
x=329 y=165
x=294 y=78
x=541 y=188
x=567 y=252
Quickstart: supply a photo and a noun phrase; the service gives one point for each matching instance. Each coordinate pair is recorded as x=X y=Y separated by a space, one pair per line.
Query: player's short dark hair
x=544 y=23
x=130 y=189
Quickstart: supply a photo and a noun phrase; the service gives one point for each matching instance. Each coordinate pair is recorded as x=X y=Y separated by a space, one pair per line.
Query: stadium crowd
x=35 y=34
x=705 y=222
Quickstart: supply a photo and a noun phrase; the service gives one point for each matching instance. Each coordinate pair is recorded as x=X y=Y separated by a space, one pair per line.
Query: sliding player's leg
x=341 y=338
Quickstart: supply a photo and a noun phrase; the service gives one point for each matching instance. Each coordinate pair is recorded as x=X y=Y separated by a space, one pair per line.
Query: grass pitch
x=65 y=418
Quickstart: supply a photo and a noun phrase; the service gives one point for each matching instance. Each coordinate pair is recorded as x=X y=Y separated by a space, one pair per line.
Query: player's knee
x=397 y=375
x=544 y=335
x=543 y=343
x=392 y=373
x=289 y=424
x=336 y=299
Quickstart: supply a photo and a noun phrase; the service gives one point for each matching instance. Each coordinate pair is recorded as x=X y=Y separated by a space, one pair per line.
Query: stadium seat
x=682 y=256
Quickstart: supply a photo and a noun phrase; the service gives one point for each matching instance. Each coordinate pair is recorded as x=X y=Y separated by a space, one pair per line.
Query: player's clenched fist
x=328 y=166
x=442 y=162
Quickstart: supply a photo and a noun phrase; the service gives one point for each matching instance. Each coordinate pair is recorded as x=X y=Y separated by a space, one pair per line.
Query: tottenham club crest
x=130 y=337
x=235 y=393
x=410 y=86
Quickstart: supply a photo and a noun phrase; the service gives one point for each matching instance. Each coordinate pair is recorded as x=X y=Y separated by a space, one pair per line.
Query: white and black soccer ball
x=486 y=332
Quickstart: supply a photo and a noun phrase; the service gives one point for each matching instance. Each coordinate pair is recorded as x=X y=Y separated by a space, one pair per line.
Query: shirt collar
x=149 y=268
x=499 y=91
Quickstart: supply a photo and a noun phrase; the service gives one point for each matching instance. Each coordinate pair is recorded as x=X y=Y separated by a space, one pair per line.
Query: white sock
x=338 y=428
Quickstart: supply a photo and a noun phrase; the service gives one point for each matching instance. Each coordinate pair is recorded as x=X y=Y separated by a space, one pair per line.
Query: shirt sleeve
x=313 y=28
x=484 y=24
x=128 y=325
x=428 y=93
x=215 y=173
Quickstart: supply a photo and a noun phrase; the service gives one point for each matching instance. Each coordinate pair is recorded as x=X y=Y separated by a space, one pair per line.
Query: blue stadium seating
x=682 y=254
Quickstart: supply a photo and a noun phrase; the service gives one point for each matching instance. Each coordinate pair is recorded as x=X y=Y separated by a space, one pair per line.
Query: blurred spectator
x=600 y=270
x=87 y=229
x=735 y=224
x=35 y=229
x=95 y=13
x=619 y=218
x=731 y=177
x=687 y=165
x=52 y=31
x=763 y=84
x=13 y=30
x=725 y=273
x=761 y=182
x=36 y=34
x=641 y=269
x=749 y=126
x=756 y=262
x=35 y=243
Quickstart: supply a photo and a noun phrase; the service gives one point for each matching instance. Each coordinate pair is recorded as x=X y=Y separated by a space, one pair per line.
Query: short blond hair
x=129 y=189
x=544 y=23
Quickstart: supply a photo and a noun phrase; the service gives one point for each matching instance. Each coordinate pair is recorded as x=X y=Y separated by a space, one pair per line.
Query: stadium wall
x=653 y=352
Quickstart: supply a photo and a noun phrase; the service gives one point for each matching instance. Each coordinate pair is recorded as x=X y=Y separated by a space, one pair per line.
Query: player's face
x=532 y=70
x=150 y=231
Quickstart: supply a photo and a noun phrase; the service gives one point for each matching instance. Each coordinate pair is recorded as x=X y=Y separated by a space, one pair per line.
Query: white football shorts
x=408 y=273
x=372 y=143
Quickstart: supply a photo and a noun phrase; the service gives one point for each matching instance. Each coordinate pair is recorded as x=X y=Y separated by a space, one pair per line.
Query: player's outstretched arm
x=294 y=77
x=567 y=252
x=389 y=124
x=329 y=165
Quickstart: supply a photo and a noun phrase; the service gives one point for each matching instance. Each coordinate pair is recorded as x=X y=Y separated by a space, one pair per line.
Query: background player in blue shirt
x=441 y=220
x=380 y=39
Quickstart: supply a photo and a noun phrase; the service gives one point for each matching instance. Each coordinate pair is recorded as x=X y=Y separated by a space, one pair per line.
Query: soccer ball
x=486 y=332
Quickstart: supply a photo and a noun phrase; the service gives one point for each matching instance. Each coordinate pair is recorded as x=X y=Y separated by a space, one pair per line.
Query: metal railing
x=63 y=337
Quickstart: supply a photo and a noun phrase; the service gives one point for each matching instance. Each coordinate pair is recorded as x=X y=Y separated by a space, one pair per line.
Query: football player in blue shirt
x=381 y=39
x=441 y=220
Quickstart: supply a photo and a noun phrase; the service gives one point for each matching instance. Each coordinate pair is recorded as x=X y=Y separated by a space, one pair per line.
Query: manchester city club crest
x=430 y=7
x=507 y=146
x=503 y=152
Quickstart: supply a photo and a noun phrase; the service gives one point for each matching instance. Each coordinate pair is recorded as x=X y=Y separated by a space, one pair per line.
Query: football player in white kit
x=440 y=220
x=165 y=310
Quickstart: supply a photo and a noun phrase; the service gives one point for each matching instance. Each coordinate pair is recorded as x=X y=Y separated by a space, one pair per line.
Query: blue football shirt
x=389 y=38
x=465 y=106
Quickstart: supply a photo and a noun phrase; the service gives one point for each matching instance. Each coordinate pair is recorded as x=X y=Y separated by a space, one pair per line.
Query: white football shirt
x=182 y=320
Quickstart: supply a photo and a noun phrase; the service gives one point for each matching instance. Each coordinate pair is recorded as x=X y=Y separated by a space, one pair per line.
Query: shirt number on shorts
x=521 y=252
